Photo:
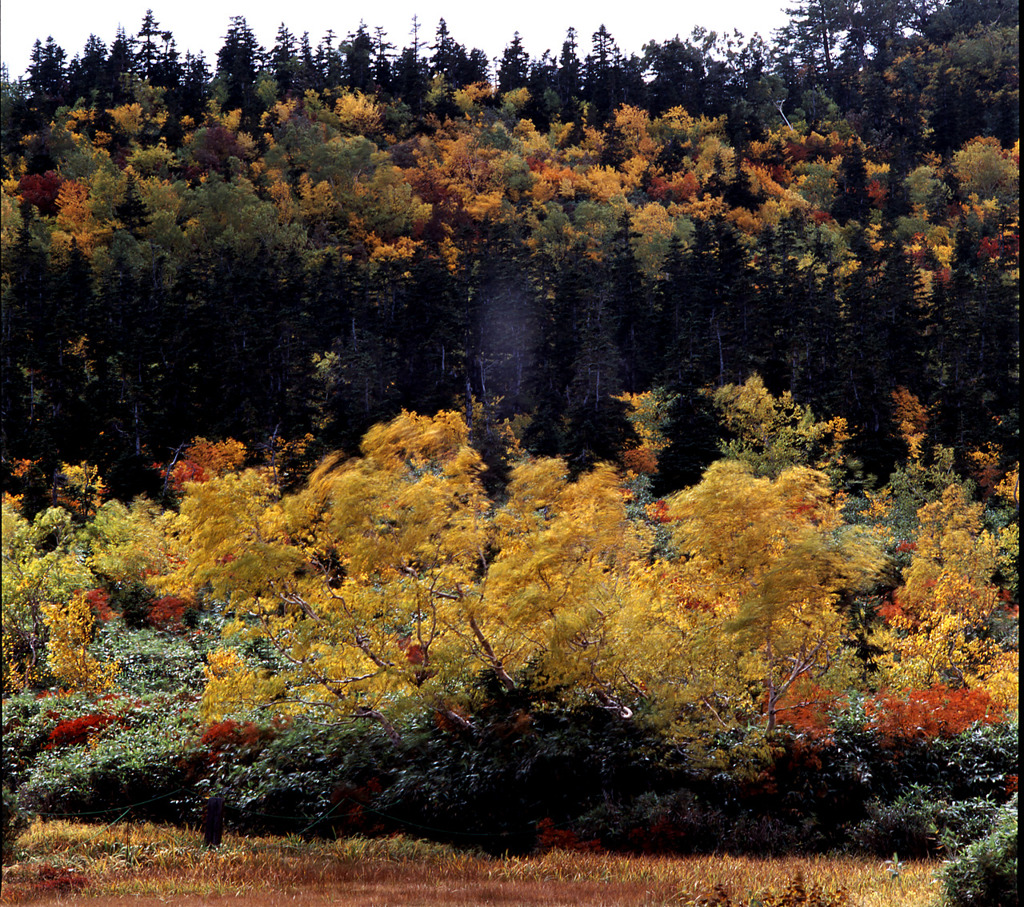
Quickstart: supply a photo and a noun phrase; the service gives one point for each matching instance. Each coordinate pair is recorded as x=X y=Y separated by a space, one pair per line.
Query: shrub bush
x=907 y=825
x=13 y=821
x=147 y=758
x=985 y=873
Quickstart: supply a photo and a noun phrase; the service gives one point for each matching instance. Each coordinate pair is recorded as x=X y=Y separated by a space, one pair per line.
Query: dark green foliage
x=906 y=826
x=134 y=600
x=985 y=873
x=120 y=358
x=12 y=821
x=526 y=768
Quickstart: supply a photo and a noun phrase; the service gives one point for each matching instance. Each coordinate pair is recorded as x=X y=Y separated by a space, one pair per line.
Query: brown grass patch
x=63 y=862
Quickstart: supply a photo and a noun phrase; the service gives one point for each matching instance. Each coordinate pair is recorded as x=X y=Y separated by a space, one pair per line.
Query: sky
x=542 y=24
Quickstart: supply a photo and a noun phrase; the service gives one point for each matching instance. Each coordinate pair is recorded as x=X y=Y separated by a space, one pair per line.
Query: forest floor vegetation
x=60 y=862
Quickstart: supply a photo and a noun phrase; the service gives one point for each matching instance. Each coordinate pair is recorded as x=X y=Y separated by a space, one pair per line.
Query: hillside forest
x=387 y=428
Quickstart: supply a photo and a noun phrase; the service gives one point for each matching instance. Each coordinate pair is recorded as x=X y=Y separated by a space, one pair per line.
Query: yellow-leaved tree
x=41 y=570
x=936 y=630
x=70 y=624
x=770 y=561
x=773 y=433
x=392 y=580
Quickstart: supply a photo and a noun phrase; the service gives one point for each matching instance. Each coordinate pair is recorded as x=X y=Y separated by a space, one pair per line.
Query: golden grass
x=65 y=862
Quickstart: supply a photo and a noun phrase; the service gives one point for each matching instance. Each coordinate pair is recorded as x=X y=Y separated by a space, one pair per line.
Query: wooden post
x=214 y=821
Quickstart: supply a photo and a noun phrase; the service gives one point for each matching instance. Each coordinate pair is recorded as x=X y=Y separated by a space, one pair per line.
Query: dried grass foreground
x=63 y=862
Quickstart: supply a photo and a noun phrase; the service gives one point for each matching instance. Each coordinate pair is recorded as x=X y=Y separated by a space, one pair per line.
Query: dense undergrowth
x=531 y=776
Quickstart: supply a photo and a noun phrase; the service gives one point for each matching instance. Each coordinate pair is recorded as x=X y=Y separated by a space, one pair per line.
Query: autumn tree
x=936 y=629
x=41 y=575
x=773 y=558
x=392 y=579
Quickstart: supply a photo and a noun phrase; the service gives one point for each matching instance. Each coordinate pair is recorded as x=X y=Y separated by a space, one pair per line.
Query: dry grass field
x=142 y=864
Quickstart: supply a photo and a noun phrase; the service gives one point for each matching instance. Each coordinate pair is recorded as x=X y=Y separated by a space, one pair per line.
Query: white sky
x=542 y=24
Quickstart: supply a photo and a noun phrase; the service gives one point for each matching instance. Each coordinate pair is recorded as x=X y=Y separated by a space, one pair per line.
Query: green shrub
x=985 y=873
x=964 y=822
x=907 y=825
x=14 y=820
x=146 y=760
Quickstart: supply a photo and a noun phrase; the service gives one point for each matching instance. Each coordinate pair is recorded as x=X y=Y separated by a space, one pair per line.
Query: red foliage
x=550 y=837
x=678 y=189
x=186 y=471
x=923 y=714
x=77 y=731
x=892 y=608
x=168 y=613
x=663 y=836
x=229 y=733
x=995 y=247
x=877 y=193
x=350 y=808
x=41 y=190
x=59 y=879
x=99 y=601
x=658 y=512
x=821 y=217
x=989 y=247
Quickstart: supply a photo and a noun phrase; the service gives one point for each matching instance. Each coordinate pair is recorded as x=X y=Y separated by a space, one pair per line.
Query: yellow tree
x=41 y=572
x=70 y=624
x=772 y=433
x=551 y=594
x=936 y=631
x=391 y=578
x=773 y=558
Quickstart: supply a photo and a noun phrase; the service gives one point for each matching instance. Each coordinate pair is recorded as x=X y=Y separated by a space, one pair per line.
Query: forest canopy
x=288 y=245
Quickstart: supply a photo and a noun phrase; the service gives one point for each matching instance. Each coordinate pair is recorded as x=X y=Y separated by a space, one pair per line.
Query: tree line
x=302 y=242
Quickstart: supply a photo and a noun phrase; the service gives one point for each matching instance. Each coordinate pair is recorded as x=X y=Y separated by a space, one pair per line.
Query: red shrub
x=663 y=836
x=186 y=471
x=807 y=708
x=41 y=190
x=59 y=880
x=351 y=812
x=550 y=837
x=230 y=733
x=76 y=731
x=99 y=601
x=658 y=512
x=168 y=613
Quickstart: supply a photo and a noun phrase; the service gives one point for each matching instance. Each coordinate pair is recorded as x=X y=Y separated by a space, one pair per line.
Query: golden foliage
x=934 y=632
x=70 y=626
x=912 y=417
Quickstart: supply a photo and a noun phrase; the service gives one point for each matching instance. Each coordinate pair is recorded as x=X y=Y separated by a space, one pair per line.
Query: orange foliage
x=912 y=417
x=877 y=193
x=204 y=460
x=923 y=714
x=807 y=708
x=640 y=460
x=658 y=512
x=681 y=188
